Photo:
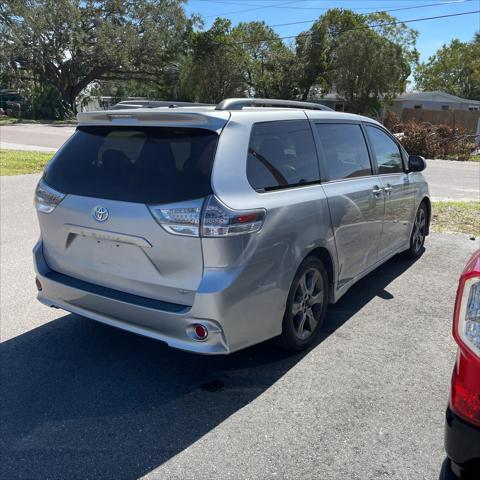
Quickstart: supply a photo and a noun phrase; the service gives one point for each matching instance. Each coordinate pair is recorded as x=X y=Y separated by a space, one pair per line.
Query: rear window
x=135 y=164
x=281 y=155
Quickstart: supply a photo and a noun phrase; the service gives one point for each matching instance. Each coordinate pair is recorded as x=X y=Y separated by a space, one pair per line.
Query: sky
x=433 y=33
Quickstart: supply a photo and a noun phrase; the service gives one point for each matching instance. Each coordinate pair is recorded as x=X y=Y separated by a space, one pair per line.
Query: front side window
x=344 y=150
x=281 y=155
x=386 y=151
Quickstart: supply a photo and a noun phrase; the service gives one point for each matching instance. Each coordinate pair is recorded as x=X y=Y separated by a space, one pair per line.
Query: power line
x=287 y=5
x=255 y=8
x=379 y=11
x=385 y=24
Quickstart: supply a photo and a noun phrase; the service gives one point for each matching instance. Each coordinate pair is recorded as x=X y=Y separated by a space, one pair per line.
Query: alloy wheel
x=307 y=303
x=419 y=230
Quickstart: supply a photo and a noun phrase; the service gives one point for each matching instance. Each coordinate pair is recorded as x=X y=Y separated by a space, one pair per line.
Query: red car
x=462 y=428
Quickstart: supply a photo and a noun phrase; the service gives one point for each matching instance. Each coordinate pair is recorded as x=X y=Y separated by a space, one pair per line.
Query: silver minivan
x=213 y=228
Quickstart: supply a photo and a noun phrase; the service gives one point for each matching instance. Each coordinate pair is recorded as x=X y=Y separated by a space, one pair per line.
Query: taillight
x=465 y=393
x=46 y=198
x=467 y=314
x=179 y=218
x=214 y=219
x=221 y=221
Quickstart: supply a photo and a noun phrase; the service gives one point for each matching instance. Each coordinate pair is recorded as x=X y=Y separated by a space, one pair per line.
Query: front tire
x=419 y=232
x=306 y=306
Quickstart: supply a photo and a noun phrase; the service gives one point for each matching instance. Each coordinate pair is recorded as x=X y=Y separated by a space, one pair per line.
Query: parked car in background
x=462 y=427
x=213 y=228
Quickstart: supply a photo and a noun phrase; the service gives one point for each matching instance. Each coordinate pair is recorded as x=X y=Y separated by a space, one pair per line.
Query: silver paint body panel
x=237 y=286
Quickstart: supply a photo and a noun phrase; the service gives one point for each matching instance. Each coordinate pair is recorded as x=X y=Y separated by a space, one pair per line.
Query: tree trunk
x=305 y=93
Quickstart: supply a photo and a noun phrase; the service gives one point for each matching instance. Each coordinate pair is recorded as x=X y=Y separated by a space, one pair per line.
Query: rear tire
x=306 y=306
x=419 y=232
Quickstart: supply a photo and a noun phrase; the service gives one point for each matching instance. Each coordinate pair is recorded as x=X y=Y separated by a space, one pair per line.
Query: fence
x=470 y=120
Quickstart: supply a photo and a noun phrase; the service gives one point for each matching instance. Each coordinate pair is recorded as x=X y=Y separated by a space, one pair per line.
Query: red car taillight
x=465 y=394
x=212 y=219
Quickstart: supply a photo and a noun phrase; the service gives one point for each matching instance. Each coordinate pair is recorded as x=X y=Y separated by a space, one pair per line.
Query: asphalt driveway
x=81 y=400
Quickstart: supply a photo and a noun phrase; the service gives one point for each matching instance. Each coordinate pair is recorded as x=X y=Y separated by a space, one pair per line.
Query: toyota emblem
x=99 y=213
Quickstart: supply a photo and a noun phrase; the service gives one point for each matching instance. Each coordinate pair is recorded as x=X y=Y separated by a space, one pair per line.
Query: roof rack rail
x=239 y=103
x=131 y=104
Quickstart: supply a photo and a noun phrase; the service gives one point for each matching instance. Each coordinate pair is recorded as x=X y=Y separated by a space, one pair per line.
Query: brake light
x=466 y=329
x=465 y=394
x=214 y=219
x=221 y=221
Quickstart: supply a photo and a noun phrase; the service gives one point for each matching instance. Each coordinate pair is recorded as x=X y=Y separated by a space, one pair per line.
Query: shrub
x=45 y=102
x=431 y=141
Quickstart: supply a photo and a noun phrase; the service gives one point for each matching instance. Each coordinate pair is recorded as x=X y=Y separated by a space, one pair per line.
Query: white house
x=433 y=101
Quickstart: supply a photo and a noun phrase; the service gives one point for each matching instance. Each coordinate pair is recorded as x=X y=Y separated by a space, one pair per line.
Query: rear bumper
x=462 y=444
x=240 y=306
x=162 y=321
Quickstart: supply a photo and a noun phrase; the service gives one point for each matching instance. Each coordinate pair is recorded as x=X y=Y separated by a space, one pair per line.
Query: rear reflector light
x=467 y=315
x=200 y=331
x=38 y=284
x=215 y=220
x=46 y=198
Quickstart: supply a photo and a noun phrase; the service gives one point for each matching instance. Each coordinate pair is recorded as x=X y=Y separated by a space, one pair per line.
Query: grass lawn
x=12 y=121
x=17 y=162
x=475 y=158
x=456 y=217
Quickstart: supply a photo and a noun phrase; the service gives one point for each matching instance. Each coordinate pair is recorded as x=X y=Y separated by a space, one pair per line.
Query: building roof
x=435 y=96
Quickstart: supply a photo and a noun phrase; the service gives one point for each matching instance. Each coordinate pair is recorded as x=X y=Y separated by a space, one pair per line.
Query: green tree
x=215 y=67
x=455 y=69
x=70 y=43
x=269 y=65
x=371 y=70
x=316 y=49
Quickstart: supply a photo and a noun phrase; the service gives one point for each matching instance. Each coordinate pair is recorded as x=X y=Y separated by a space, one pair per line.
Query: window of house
x=445 y=107
x=417 y=107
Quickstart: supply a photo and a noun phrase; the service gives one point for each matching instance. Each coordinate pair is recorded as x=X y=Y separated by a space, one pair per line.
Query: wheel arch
x=324 y=255
x=428 y=204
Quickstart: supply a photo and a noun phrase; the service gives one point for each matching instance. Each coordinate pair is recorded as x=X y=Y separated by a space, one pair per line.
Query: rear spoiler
x=211 y=120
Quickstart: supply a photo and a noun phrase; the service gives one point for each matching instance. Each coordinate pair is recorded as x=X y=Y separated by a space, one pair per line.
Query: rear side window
x=281 y=154
x=344 y=150
x=386 y=151
x=135 y=164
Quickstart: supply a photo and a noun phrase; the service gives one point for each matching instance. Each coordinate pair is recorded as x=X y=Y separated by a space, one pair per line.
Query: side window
x=344 y=150
x=385 y=150
x=281 y=154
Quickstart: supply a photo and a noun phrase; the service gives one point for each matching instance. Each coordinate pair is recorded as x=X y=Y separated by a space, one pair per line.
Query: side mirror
x=416 y=163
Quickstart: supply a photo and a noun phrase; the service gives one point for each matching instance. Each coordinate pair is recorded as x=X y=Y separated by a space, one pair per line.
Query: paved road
x=448 y=180
x=82 y=400
x=34 y=136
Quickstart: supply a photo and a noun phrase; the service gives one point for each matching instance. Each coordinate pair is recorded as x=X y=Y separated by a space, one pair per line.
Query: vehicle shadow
x=83 y=400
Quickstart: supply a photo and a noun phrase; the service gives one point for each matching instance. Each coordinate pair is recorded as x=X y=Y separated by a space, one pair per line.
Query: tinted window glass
x=135 y=164
x=345 y=151
x=281 y=154
x=386 y=151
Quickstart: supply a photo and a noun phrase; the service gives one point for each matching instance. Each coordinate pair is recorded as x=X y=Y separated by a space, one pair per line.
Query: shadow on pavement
x=83 y=400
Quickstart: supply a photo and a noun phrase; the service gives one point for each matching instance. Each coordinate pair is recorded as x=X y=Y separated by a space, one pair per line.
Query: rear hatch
x=103 y=231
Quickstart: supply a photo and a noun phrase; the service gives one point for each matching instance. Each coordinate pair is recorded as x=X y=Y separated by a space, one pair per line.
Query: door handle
x=377 y=191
